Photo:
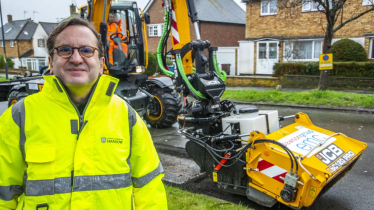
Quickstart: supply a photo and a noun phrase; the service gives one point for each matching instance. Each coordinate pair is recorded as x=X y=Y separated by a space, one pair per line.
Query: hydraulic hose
x=289 y=152
x=160 y=46
x=239 y=154
x=222 y=74
x=183 y=74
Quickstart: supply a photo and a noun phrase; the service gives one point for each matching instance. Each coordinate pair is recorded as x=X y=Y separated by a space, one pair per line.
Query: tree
x=335 y=17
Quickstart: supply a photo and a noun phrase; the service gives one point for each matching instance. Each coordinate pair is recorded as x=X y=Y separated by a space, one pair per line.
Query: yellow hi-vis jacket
x=51 y=156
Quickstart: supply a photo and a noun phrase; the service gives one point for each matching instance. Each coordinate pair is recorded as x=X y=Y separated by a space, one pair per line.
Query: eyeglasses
x=67 y=51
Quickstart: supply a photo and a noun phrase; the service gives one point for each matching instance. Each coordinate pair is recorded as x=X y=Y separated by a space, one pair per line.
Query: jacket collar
x=100 y=95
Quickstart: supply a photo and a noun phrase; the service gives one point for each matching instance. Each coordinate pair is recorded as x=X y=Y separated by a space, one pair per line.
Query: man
x=75 y=145
x=118 y=21
x=114 y=27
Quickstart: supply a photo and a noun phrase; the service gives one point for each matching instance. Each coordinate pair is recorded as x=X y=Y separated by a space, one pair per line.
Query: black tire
x=168 y=104
x=15 y=96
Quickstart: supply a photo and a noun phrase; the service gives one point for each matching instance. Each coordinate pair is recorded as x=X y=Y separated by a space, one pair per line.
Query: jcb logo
x=329 y=154
x=211 y=82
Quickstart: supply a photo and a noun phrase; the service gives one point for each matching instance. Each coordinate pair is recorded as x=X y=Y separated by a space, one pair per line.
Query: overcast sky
x=48 y=10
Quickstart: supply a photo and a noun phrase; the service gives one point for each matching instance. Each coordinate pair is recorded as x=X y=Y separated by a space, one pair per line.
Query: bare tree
x=336 y=18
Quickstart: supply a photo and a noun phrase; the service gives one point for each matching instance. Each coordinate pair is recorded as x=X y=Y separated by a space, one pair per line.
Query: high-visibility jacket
x=112 y=29
x=51 y=155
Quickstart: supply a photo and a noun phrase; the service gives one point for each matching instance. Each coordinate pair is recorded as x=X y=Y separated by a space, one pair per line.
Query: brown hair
x=73 y=22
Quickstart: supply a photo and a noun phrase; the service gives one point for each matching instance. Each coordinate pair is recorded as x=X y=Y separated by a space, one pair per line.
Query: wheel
x=168 y=104
x=15 y=96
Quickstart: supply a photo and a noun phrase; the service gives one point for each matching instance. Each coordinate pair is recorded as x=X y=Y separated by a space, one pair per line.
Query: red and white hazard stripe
x=174 y=28
x=271 y=170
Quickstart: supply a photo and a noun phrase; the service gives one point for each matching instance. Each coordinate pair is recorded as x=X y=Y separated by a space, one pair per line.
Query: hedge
x=153 y=64
x=346 y=50
x=343 y=69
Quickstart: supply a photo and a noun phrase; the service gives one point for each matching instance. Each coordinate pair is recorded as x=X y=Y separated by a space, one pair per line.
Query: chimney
x=10 y=18
x=72 y=9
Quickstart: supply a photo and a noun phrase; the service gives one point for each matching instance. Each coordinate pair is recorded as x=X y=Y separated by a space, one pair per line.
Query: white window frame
x=2 y=44
x=304 y=40
x=41 y=43
x=267 y=3
x=371 y=48
x=159 y=28
x=11 y=43
x=311 y=6
x=367 y=2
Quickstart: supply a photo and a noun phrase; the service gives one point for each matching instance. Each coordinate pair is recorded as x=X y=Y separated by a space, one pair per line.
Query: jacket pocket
x=40 y=184
x=40 y=160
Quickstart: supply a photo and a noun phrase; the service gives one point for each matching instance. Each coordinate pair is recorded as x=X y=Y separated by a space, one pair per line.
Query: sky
x=48 y=10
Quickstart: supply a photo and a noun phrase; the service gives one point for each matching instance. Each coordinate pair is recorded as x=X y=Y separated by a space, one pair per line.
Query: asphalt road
x=354 y=191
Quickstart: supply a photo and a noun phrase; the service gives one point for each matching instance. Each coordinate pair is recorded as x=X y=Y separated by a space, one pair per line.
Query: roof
x=48 y=27
x=26 y=54
x=221 y=11
x=28 y=31
x=12 y=29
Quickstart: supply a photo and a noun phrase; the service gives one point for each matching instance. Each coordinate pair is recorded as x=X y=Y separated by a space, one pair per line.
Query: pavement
x=360 y=91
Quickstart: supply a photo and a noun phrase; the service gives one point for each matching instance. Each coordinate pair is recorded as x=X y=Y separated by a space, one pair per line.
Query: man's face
x=76 y=71
x=111 y=18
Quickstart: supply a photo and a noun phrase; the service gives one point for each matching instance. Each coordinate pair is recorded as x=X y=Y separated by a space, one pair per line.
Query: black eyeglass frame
x=72 y=51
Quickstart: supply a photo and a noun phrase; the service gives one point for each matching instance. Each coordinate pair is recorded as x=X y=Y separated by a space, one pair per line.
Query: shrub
x=302 y=68
x=343 y=69
x=348 y=50
x=153 y=66
x=8 y=60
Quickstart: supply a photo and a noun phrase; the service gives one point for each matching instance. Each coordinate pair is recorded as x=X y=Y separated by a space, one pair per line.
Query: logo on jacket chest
x=111 y=140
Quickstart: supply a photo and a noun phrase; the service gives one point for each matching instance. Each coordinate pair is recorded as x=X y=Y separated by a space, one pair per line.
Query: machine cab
x=123 y=39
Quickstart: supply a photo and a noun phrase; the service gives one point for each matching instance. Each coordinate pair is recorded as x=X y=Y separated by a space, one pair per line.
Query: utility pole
x=2 y=30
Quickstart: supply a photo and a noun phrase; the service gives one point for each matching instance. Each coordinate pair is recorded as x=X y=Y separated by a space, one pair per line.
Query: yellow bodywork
x=321 y=173
x=183 y=22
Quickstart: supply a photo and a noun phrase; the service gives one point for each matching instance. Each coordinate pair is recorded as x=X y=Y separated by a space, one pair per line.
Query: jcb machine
x=154 y=99
x=245 y=151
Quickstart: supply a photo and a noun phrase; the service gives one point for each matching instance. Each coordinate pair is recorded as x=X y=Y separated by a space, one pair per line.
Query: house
x=222 y=22
x=18 y=40
x=281 y=35
x=39 y=42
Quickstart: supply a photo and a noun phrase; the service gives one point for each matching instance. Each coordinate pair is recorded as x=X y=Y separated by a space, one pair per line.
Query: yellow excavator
x=154 y=99
x=245 y=151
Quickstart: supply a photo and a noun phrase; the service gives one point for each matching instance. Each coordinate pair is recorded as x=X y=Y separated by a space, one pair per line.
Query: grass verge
x=312 y=98
x=180 y=199
x=3 y=79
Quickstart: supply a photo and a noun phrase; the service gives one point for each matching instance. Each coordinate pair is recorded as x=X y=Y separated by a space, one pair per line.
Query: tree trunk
x=324 y=76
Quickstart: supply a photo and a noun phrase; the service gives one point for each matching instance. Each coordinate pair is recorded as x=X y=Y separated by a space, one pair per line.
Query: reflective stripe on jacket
x=104 y=159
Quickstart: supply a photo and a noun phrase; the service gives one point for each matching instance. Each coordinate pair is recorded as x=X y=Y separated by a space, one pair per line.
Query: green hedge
x=153 y=65
x=343 y=69
x=8 y=60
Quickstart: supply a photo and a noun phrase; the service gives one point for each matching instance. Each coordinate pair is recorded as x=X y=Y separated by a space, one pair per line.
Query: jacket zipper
x=82 y=123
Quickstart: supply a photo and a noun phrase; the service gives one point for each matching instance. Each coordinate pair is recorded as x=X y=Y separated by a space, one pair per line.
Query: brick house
x=222 y=22
x=282 y=35
x=18 y=39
